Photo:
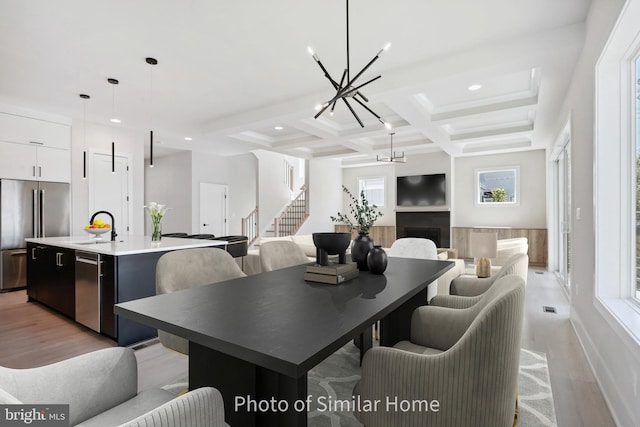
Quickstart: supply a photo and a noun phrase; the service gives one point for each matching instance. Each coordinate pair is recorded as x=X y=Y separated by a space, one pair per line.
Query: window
x=498 y=186
x=615 y=185
x=373 y=189
x=636 y=93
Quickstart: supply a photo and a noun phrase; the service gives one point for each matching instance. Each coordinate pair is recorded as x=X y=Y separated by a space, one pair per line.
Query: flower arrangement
x=365 y=214
x=157 y=212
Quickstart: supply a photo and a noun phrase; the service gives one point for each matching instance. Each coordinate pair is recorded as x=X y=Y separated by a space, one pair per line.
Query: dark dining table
x=255 y=338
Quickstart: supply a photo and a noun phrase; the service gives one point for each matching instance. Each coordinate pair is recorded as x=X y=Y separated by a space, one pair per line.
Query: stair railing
x=250 y=226
x=293 y=216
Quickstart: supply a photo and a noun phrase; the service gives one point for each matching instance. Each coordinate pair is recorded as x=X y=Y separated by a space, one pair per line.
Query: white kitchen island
x=83 y=277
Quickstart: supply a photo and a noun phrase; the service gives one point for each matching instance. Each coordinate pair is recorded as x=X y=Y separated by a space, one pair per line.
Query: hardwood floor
x=576 y=395
x=32 y=335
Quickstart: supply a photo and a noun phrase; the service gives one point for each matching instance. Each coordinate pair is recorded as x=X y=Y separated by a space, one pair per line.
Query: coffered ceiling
x=229 y=73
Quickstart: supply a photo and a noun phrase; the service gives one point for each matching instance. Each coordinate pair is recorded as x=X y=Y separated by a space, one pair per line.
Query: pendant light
x=84 y=134
x=393 y=157
x=114 y=82
x=347 y=89
x=151 y=62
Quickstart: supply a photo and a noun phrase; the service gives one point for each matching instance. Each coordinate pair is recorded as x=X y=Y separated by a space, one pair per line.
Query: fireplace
x=432 y=234
x=432 y=225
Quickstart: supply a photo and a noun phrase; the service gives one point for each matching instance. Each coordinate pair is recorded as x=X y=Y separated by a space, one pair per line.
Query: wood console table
x=537 y=238
x=383 y=235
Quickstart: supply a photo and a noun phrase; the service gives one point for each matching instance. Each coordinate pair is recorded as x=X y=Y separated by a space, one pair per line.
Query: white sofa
x=509 y=247
x=305 y=241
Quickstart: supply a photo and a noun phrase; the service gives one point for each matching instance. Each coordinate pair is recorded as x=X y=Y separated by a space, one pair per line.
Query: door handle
x=39 y=171
x=204 y=225
x=35 y=213
x=59 y=259
x=42 y=211
x=33 y=253
x=34 y=170
x=16 y=253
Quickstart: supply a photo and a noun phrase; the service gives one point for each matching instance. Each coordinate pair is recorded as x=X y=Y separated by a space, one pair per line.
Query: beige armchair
x=190 y=268
x=517 y=264
x=466 y=360
x=101 y=389
x=279 y=254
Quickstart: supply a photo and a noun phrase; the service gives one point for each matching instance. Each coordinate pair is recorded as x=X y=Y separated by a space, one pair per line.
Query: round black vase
x=377 y=260
x=360 y=249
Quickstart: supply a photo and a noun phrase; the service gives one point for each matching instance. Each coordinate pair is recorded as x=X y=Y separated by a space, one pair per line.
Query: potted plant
x=364 y=215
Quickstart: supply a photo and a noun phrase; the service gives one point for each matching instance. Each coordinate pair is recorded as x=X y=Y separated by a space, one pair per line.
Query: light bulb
x=318 y=107
x=114 y=120
x=474 y=87
x=386 y=47
x=310 y=50
x=387 y=125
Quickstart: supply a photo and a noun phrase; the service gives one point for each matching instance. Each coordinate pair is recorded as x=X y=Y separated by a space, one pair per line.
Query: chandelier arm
x=344 y=74
x=367 y=108
x=355 y=89
x=343 y=92
x=361 y=95
x=366 y=67
x=353 y=112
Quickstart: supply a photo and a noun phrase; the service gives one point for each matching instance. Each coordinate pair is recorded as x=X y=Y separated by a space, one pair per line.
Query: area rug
x=336 y=376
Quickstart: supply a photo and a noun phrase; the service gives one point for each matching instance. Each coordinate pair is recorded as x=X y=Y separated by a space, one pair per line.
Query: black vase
x=360 y=249
x=377 y=260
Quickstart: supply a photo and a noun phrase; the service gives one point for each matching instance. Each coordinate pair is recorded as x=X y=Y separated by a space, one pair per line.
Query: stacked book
x=333 y=273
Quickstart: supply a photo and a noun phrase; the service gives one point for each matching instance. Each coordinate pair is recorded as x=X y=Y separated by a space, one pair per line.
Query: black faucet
x=113 y=223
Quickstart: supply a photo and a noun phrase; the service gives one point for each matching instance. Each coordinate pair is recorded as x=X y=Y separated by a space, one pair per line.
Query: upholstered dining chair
x=469 y=286
x=101 y=389
x=466 y=359
x=190 y=268
x=279 y=254
x=413 y=247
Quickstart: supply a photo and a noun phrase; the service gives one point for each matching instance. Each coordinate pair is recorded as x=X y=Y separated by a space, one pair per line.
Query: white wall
x=325 y=195
x=99 y=138
x=417 y=164
x=609 y=354
x=273 y=193
x=168 y=183
x=237 y=172
x=530 y=213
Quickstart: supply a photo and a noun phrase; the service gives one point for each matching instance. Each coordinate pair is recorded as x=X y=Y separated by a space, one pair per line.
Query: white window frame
x=361 y=180
x=516 y=189
x=614 y=180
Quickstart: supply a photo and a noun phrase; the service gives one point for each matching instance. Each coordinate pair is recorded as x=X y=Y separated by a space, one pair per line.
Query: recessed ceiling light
x=188 y=138
x=278 y=127
x=475 y=87
x=114 y=120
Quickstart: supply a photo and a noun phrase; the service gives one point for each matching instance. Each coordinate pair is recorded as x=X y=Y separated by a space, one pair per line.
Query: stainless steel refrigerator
x=28 y=209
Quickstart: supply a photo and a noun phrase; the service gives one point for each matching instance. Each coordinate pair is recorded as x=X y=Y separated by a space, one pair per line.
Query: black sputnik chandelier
x=347 y=89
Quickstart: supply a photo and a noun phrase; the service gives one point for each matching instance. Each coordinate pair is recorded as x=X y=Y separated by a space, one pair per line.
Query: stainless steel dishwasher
x=88 y=277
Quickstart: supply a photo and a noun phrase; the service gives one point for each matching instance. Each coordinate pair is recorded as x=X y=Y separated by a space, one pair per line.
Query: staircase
x=294 y=215
x=286 y=224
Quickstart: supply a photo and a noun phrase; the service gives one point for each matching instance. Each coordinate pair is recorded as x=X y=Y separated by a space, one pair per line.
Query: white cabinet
x=54 y=164
x=22 y=161
x=34 y=149
x=25 y=130
x=17 y=161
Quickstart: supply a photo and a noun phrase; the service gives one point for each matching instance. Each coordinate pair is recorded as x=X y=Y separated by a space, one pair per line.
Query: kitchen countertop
x=125 y=245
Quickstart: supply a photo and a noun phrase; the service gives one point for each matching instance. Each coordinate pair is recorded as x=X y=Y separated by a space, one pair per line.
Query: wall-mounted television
x=421 y=190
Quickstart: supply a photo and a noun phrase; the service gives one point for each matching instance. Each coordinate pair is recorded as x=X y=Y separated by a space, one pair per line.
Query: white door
x=563 y=213
x=213 y=209
x=110 y=191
